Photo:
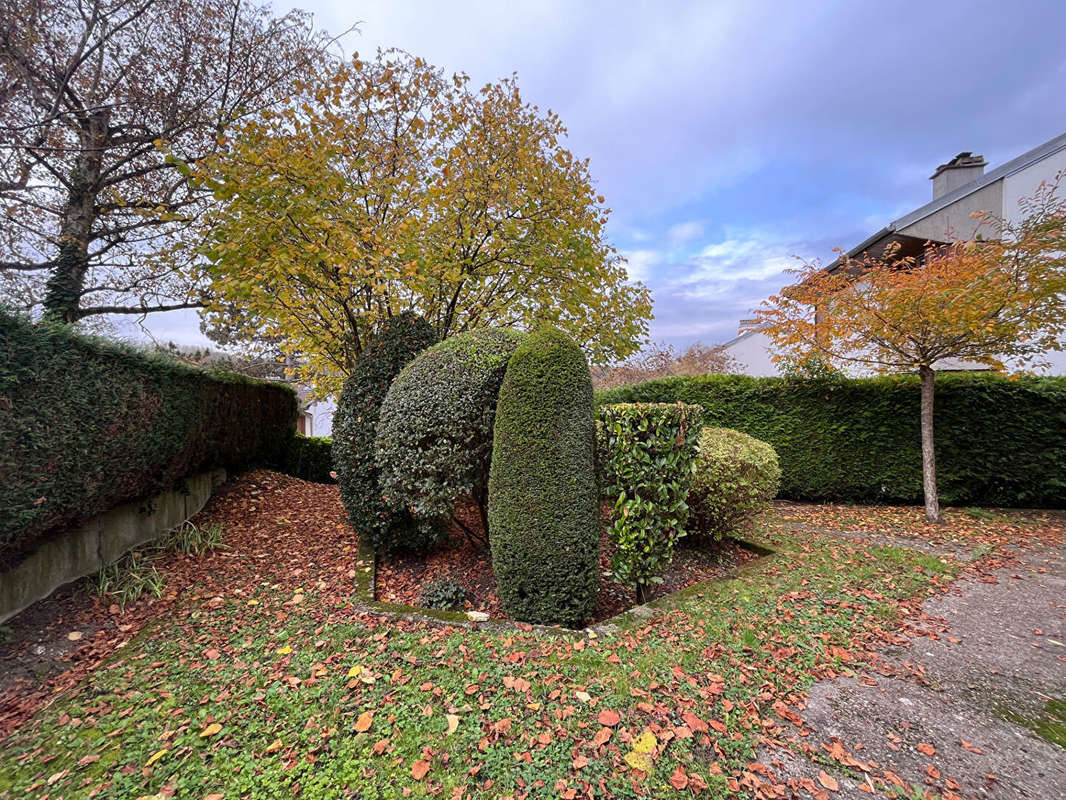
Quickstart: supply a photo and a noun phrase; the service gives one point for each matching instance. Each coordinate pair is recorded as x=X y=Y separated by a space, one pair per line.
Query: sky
x=730 y=138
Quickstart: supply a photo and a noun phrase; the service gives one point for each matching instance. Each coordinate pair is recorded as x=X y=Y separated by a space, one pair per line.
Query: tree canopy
x=387 y=186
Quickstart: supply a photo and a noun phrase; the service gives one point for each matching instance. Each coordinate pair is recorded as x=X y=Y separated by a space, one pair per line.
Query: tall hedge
x=86 y=425
x=543 y=507
x=309 y=458
x=434 y=437
x=399 y=340
x=999 y=441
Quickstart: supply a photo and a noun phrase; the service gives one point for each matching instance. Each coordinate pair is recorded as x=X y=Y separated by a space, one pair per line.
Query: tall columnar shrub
x=86 y=425
x=434 y=436
x=397 y=342
x=543 y=500
x=647 y=453
x=999 y=441
x=736 y=477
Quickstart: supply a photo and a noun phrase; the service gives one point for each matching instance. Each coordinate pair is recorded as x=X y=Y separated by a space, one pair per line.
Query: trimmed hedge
x=647 y=455
x=543 y=499
x=309 y=458
x=736 y=477
x=999 y=441
x=398 y=340
x=88 y=425
x=434 y=440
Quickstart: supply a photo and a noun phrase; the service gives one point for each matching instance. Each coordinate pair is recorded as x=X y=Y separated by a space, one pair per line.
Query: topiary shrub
x=647 y=452
x=434 y=435
x=398 y=341
x=543 y=501
x=736 y=477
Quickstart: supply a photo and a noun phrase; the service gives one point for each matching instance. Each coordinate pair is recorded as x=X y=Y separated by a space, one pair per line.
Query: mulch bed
x=399 y=578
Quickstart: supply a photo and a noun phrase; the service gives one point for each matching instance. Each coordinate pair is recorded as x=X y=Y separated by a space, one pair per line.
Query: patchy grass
x=263 y=681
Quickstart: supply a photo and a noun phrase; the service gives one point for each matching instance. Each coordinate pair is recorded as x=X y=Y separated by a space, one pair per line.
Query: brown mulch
x=400 y=577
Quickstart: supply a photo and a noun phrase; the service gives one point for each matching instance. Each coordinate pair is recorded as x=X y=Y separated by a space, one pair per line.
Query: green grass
x=282 y=683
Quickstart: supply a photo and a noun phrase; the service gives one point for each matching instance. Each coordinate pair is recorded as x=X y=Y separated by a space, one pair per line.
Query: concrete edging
x=85 y=550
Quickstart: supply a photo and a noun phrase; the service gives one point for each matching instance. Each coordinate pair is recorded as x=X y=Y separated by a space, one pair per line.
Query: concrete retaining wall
x=105 y=539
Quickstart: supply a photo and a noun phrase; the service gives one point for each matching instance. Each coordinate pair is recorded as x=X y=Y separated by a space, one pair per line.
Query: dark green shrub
x=999 y=441
x=736 y=477
x=434 y=439
x=86 y=425
x=309 y=458
x=543 y=502
x=647 y=453
x=445 y=595
x=399 y=340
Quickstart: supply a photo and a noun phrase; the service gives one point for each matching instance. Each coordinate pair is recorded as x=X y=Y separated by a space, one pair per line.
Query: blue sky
x=729 y=137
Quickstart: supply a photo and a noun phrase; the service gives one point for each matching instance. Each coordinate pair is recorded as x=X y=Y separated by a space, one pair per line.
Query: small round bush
x=434 y=435
x=443 y=594
x=544 y=521
x=736 y=477
x=398 y=341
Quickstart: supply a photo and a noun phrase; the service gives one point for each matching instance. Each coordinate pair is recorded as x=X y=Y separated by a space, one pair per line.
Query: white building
x=960 y=188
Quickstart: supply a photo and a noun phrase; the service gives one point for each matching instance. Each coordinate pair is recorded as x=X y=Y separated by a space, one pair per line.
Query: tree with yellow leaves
x=389 y=187
x=989 y=301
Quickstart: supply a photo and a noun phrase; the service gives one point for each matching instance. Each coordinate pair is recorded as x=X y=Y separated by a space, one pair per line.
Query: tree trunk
x=932 y=502
x=65 y=284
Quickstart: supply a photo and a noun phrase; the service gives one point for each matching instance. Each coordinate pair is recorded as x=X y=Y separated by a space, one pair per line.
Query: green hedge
x=397 y=341
x=309 y=458
x=543 y=508
x=999 y=441
x=86 y=425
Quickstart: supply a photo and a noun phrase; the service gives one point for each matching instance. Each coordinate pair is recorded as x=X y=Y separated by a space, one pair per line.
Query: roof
x=1023 y=161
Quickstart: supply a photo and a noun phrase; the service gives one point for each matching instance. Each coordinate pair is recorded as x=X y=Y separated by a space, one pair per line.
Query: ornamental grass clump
x=647 y=452
x=736 y=477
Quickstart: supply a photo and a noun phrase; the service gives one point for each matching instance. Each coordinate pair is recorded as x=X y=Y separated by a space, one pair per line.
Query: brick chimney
x=962 y=169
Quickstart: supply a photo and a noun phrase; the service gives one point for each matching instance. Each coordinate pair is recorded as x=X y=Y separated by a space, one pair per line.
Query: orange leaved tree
x=991 y=301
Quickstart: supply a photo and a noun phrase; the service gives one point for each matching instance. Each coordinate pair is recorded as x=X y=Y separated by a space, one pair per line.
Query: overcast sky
x=728 y=137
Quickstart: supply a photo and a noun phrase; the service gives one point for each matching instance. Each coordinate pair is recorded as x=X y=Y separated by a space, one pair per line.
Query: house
x=961 y=187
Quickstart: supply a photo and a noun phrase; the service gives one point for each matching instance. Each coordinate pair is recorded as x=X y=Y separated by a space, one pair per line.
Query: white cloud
x=640 y=264
x=684 y=232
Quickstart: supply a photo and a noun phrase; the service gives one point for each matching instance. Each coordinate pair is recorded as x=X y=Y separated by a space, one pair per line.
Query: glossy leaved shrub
x=647 y=454
x=543 y=500
x=397 y=342
x=434 y=434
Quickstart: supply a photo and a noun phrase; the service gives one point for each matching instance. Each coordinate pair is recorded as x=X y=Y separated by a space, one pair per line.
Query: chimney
x=962 y=169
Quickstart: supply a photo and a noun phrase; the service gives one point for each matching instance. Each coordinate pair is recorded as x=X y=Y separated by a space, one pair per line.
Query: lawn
x=258 y=678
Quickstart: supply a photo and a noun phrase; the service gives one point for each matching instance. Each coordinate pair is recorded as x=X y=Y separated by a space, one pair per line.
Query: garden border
x=366 y=571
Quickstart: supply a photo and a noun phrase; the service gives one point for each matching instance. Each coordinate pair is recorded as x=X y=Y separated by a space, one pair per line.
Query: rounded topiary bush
x=543 y=499
x=434 y=435
x=736 y=477
x=398 y=341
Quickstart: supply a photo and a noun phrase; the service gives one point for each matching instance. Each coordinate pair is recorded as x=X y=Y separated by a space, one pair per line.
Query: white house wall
x=1024 y=183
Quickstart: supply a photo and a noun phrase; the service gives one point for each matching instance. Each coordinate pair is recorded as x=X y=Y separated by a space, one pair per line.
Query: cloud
x=684 y=232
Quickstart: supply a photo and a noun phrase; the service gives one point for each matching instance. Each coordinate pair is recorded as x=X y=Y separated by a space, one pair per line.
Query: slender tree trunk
x=932 y=501
x=65 y=284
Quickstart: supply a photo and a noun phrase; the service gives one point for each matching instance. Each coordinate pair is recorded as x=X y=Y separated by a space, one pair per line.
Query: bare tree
x=661 y=361
x=100 y=100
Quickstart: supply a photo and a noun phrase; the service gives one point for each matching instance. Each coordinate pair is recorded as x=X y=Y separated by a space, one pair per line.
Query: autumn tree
x=97 y=219
x=998 y=301
x=393 y=187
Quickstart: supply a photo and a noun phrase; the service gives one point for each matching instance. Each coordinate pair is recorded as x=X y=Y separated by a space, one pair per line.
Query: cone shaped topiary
x=543 y=507
x=397 y=342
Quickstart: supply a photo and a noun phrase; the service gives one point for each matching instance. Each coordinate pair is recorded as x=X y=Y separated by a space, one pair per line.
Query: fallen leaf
x=156 y=757
x=608 y=718
x=453 y=723
x=679 y=780
x=828 y=781
x=210 y=730
x=419 y=769
x=74 y=636
x=928 y=749
x=366 y=719
x=273 y=747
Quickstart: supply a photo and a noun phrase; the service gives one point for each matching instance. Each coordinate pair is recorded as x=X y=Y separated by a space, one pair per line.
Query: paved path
x=966 y=729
